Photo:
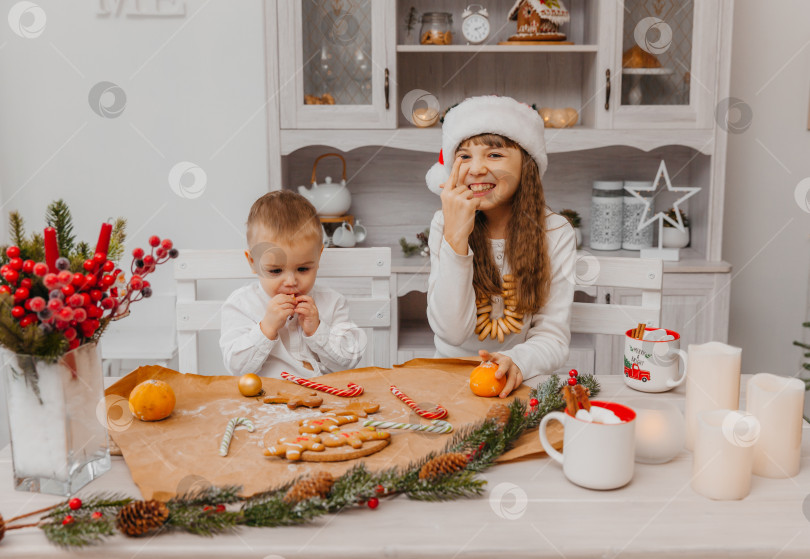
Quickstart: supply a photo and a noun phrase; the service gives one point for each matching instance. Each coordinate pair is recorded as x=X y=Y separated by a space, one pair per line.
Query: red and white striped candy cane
x=438 y=413
x=350 y=392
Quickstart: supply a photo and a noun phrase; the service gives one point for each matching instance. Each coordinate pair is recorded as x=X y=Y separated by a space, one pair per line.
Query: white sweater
x=541 y=347
x=337 y=344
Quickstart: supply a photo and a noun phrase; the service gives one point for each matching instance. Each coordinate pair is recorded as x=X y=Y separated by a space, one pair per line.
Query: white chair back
x=595 y=326
x=352 y=269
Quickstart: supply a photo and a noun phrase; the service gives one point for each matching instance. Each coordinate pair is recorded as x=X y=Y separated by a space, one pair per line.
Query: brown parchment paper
x=181 y=452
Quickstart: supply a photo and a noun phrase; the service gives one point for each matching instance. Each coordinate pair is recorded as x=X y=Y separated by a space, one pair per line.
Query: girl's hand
x=307 y=314
x=458 y=207
x=278 y=310
x=514 y=378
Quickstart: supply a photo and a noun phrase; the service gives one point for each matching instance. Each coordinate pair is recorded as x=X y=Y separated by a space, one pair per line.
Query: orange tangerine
x=483 y=381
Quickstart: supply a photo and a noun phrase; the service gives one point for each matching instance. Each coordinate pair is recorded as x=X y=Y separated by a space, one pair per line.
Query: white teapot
x=347 y=236
x=330 y=199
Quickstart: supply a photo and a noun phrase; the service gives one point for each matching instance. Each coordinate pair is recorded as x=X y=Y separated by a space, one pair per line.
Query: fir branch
x=81 y=533
x=107 y=501
x=270 y=510
x=460 y=485
x=206 y=496
x=16 y=228
x=34 y=248
x=85 y=530
x=58 y=216
x=201 y=521
x=349 y=487
x=117 y=239
x=82 y=252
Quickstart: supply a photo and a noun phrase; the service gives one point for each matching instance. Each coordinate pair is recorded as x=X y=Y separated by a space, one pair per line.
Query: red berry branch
x=78 y=304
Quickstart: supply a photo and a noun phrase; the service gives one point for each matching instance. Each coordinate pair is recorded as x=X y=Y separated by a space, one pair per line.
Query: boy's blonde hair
x=288 y=216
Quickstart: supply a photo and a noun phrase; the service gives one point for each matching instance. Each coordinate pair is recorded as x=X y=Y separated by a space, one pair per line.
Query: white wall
x=195 y=91
x=766 y=233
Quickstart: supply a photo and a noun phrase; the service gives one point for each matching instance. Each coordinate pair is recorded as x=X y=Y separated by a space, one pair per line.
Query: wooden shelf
x=497 y=48
x=558 y=140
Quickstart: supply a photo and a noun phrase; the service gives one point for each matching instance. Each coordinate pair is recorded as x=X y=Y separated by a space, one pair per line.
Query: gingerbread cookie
x=329 y=423
x=292 y=448
x=355 y=439
x=310 y=399
x=360 y=409
x=321 y=453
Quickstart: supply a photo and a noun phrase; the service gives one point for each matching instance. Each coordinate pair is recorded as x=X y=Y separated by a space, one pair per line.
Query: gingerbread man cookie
x=354 y=438
x=329 y=423
x=310 y=400
x=291 y=448
x=360 y=409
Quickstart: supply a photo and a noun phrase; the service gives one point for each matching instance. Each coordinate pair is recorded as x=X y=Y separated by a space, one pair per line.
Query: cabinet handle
x=607 y=89
x=386 y=89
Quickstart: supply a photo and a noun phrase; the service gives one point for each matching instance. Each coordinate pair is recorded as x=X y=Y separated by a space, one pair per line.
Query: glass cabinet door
x=665 y=63
x=336 y=66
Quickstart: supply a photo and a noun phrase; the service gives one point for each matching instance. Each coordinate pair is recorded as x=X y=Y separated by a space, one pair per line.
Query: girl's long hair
x=526 y=248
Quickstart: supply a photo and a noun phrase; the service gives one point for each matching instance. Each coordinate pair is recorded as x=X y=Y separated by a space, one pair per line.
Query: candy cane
x=350 y=392
x=438 y=426
x=232 y=424
x=439 y=413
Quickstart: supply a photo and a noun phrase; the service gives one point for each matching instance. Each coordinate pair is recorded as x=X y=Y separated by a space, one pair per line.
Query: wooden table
x=540 y=514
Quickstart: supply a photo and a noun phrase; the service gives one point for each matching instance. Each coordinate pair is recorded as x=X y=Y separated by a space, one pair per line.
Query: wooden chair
x=594 y=326
x=361 y=274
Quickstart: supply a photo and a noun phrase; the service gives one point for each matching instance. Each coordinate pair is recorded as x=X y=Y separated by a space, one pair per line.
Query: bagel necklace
x=510 y=323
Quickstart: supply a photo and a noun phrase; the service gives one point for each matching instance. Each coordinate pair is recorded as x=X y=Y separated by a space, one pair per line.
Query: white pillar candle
x=778 y=404
x=724 y=454
x=713 y=382
x=660 y=430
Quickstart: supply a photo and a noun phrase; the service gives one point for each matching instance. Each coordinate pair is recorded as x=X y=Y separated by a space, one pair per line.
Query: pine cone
x=139 y=517
x=316 y=485
x=500 y=413
x=444 y=464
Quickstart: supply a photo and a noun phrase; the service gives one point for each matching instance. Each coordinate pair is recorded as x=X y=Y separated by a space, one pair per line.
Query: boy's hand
x=307 y=314
x=278 y=310
x=514 y=378
x=458 y=207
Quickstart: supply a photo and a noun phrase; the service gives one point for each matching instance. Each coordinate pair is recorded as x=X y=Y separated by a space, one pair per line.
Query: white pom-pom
x=436 y=176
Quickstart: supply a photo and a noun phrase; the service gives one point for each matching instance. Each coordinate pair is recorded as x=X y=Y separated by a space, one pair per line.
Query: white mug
x=595 y=455
x=346 y=236
x=651 y=365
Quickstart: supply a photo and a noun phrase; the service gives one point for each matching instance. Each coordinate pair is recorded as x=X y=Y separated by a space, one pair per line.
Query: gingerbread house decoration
x=539 y=20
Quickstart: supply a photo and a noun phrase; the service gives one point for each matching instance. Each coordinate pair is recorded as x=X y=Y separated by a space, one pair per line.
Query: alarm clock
x=475 y=24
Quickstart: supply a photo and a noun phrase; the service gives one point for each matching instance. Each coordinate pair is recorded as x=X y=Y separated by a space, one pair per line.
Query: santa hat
x=488 y=114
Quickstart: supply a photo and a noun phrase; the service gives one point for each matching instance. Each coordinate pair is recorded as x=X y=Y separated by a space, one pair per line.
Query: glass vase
x=57 y=443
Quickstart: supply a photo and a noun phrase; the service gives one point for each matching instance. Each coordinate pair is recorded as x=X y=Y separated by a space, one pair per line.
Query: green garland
x=217 y=510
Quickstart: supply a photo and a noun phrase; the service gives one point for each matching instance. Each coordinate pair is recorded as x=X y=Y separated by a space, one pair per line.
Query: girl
x=501 y=263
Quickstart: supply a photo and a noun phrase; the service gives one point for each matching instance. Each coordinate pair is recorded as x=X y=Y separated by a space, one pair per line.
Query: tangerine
x=152 y=400
x=483 y=381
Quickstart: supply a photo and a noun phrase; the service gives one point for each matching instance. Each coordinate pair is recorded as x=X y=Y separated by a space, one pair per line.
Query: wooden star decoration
x=648 y=200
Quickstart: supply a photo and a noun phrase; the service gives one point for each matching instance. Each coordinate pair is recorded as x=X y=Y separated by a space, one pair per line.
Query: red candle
x=51 y=248
x=104 y=238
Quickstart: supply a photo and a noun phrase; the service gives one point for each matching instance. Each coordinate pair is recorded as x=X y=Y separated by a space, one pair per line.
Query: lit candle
x=104 y=238
x=713 y=382
x=425 y=117
x=660 y=430
x=724 y=454
x=51 y=248
x=778 y=404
